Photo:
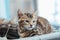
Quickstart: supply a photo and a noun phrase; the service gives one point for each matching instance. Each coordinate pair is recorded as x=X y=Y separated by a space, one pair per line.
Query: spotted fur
x=28 y=20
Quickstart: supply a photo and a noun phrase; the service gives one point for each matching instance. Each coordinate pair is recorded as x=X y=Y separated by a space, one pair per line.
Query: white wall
x=20 y=4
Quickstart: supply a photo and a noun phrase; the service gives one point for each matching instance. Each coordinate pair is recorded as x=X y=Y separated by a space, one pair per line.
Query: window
x=50 y=9
x=2 y=9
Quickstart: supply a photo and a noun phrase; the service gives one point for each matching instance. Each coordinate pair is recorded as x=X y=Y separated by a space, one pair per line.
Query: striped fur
x=42 y=25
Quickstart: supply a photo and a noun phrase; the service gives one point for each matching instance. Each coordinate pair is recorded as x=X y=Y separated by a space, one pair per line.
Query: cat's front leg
x=25 y=34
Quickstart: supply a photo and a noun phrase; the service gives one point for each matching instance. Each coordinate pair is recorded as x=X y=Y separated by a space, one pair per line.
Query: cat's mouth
x=29 y=27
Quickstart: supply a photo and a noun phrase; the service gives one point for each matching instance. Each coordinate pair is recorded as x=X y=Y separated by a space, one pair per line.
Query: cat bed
x=51 y=36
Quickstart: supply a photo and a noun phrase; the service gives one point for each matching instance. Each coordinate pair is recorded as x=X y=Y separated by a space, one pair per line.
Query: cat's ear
x=35 y=12
x=19 y=12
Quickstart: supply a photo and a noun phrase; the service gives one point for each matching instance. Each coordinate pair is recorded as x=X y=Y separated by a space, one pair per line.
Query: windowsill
x=46 y=36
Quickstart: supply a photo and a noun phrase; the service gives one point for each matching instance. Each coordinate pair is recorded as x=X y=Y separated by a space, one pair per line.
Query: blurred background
x=49 y=9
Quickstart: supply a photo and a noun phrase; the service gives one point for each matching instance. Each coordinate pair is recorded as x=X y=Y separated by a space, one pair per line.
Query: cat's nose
x=31 y=25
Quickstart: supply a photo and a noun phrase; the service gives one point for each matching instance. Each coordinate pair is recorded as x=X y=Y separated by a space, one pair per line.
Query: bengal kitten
x=30 y=24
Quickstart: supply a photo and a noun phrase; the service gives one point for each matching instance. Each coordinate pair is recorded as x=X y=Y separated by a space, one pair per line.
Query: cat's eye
x=19 y=17
x=33 y=21
x=27 y=21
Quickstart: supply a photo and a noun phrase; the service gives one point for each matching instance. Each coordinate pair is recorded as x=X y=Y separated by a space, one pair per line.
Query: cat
x=8 y=29
x=30 y=24
x=3 y=27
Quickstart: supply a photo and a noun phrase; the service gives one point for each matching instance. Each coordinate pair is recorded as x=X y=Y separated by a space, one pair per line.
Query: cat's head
x=27 y=20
